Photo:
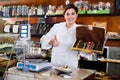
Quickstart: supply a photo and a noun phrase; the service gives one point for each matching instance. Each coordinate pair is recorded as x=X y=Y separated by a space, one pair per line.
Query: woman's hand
x=54 y=42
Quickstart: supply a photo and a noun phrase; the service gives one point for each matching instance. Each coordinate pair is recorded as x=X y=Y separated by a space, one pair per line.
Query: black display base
x=95 y=65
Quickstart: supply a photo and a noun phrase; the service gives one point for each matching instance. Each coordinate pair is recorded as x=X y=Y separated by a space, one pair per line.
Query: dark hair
x=69 y=6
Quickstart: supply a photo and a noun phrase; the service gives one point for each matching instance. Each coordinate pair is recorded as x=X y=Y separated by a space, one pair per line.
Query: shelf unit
x=81 y=19
x=112 y=19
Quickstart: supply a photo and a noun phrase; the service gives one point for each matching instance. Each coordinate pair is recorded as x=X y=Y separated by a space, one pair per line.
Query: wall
x=45 y=2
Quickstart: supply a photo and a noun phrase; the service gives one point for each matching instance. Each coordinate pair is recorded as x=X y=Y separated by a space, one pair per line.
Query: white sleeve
x=46 y=38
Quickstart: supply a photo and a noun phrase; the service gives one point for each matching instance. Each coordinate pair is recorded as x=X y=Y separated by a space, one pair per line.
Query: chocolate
x=90 y=39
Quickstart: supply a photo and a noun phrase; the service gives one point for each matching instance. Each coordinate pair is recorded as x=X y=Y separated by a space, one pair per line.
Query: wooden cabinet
x=111 y=42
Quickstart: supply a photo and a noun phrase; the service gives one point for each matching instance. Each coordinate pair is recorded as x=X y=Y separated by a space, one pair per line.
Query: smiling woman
x=61 y=37
x=70 y=15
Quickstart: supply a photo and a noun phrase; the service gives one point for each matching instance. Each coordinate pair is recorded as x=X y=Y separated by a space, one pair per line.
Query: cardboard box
x=90 y=39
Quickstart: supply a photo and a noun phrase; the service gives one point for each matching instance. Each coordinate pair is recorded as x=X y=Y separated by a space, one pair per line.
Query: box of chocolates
x=90 y=39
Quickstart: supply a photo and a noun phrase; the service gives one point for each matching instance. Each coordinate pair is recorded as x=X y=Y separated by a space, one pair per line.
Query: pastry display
x=89 y=40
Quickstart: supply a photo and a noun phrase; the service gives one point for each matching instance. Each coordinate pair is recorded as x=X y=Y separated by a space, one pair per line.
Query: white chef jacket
x=62 y=54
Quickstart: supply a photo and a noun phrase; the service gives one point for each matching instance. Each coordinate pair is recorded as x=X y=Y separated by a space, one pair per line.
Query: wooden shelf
x=86 y=15
x=31 y=19
x=110 y=60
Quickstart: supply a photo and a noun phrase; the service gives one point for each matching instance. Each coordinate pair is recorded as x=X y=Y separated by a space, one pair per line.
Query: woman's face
x=70 y=16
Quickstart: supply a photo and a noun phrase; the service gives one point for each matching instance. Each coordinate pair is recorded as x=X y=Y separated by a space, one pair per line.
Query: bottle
x=40 y=10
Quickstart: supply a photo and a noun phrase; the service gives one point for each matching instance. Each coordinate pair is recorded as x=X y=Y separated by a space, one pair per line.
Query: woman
x=61 y=38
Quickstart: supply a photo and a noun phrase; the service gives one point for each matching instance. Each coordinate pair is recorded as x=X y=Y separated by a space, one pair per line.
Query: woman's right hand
x=54 y=42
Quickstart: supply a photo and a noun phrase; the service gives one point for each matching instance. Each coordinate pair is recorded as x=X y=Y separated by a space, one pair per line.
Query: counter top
x=77 y=74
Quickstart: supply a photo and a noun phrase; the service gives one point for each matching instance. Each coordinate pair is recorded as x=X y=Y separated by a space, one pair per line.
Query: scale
x=32 y=64
x=36 y=67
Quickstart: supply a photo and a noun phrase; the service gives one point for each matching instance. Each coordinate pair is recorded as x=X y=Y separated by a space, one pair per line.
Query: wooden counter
x=77 y=74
